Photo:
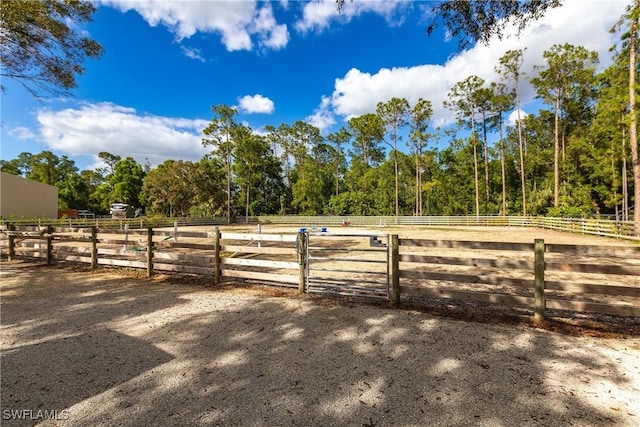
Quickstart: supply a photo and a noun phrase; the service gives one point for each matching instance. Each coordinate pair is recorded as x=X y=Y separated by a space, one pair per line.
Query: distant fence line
x=593 y=226
x=111 y=223
x=598 y=227
x=509 y=274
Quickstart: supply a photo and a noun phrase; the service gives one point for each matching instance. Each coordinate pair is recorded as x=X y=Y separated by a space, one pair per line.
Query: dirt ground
x=473 y=233
x=108 y=348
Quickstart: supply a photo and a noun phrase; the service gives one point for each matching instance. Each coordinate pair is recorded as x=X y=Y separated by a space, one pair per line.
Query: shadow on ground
x=140 y=352
x=101 y=359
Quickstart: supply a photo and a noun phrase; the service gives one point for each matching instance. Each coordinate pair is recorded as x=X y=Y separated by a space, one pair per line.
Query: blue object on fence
x=303 y=230
x=324 y=229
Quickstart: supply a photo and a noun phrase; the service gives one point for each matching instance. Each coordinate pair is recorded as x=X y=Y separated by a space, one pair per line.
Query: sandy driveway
x=105 y=349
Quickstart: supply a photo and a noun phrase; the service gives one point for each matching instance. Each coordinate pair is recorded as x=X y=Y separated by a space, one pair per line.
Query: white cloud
x=270 y=34
x=318 y=15
x=512 y=120
x=192 y=53
x=322 y=117
x=92 y=128
x=256 y=104
x=582 y=23
x=240 y=23
x=358 y=93
x=22 y=133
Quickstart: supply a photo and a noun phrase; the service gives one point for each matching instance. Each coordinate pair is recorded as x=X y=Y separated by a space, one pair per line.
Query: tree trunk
x=420 y=186
x=633 y=122
x=563 y=163
x=614 y=184
x=625 y=184
x=486 y=163
x=395 y=165
x=522 y=149
x=246 y=214
x=475 y=173
x=475 y=161
x=417 y=178
x=503 y=172
x=564 y=154
x=338 y=176
x=365 y=153
x=395 y=161
x=228 y=185
x=556 y=157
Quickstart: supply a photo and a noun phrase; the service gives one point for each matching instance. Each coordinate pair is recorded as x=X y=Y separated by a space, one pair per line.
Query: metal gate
x=352 y=264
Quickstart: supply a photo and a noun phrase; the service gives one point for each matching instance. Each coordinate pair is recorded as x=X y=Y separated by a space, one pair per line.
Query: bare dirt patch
x=107 y=348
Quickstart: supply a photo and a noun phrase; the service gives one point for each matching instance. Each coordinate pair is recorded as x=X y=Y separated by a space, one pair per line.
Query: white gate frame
x=319 y=283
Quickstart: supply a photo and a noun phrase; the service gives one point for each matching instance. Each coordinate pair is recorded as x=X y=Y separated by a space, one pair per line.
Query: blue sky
x=167 y=62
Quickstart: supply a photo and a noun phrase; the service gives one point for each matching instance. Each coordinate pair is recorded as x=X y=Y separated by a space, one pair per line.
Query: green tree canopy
x=257 y=172
x=569 y=71
x=41 y=45
x=219 y=134
x=123 y=185
x=395 y=115
x=479 y=20
x=368 y=132
x=420 y=118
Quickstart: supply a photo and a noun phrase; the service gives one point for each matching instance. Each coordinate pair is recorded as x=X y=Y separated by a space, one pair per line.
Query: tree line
x=577 y=156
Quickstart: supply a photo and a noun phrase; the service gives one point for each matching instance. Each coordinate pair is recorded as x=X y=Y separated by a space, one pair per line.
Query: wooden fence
x=534 y=276
x=602 y=279
x=267 y=257
x=113 y=223
x=593 y=226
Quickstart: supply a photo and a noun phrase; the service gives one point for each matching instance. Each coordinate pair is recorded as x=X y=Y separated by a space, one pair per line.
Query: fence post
x=540 y=304
x=216 y=258
x=259 y=232
x=175 y=231
x=301 y=249
x=94 y=247
x=395 y=269
x=49 y=245
x=12 y=242
x=149 y=251
x=126 y=237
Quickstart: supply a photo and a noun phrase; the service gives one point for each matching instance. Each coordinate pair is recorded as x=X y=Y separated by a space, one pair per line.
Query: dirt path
x=105 y=349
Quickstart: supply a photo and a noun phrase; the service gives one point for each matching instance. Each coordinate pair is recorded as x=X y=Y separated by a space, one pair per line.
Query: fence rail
x=536 y=276
x=593 y=226
x=207 y=252
x=110 y=223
